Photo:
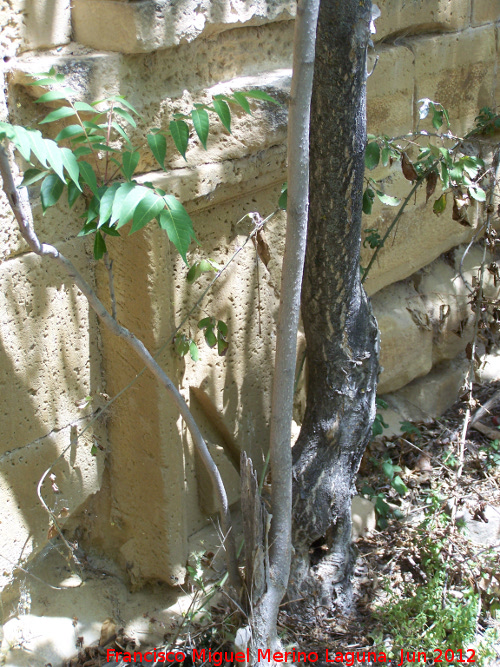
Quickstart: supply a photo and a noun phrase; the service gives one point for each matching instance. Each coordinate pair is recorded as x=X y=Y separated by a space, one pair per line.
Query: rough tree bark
x=341 y=332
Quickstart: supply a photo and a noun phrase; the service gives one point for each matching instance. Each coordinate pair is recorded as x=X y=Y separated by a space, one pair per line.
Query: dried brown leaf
x=431 y=180
x=408 y=169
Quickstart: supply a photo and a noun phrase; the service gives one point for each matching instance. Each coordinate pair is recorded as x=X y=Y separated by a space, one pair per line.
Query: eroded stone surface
x=148 y=25
x=400 y=18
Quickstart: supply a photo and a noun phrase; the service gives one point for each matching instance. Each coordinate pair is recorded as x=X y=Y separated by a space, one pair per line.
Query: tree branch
x=18 y=200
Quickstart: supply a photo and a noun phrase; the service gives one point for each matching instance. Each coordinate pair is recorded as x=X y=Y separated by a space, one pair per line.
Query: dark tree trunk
x=341 y=332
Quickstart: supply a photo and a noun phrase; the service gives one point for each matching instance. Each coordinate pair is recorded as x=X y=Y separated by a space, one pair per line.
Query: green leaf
x=445 y=176
x=99 y=246
x=148 y=208
x=125 y=114
x=181 y=344
x=439 y=205
x=21 y=138
x=121 y=131
x=51 y=96
x=180 y=134
x=387 y=199
x=93 y=207
x=201 y=123
x=81 y=151
x=193 y=351
x=283 y=200
x=372 y=155
x=222 y=328
x=51 y=190
x=71 y=166
x=83 y=106
x=178 y=225
x=93 y=450
x=158 y=145
x=222 y=346
x=121 y=100
x=368 y=197
x=210 y=337
x=130 y=203
x=388 y=469
x=477 y=193
x=104 y=147
x=437 y=117
x=89 y=125
x=88 y=175
x=70 y=131
x=242 y=101
x=456 y=172
x=257 y=94
x=398 y=484
x=198 y=268
x=106 y=204
x=73 y=193
x=32 y=176
x=63 y=112
x=206 y=322
x=130 y=162
x=386 y=154
x=121 y=193
x=382 y=507
x=55 y=157
x=408 y=427
x=222 y=110
x=38 y=146
x=88 y=228
x=42 y=82
x=106 y=229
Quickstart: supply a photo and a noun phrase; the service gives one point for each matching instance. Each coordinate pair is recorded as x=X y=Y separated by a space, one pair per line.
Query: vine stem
x=478 y=304
x=398 y=215
x=19 y=203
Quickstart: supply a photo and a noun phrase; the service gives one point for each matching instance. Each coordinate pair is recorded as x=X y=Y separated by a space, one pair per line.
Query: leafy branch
x=460 y=174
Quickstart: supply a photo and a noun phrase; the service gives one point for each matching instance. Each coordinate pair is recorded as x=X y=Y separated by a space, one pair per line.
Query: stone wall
x=144 y=493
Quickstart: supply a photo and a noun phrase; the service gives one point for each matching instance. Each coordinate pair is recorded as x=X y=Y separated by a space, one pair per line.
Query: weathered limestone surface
x=163 y=56
x=484 y=11
x=401 y=336
x=34 y=24
x=49 y=364
x=148 y=25
x=459 y=71
x=401 y=18
x=427 y=319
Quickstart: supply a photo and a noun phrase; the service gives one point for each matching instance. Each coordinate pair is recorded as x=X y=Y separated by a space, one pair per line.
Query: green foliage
x=492 y=453
x=216 y=333
x=379 y=423
x=487 y=122
x=426 y=615
x=283 y=200
x=198 y=268
x=410 y=429
x=183 y=345
x=106 y=181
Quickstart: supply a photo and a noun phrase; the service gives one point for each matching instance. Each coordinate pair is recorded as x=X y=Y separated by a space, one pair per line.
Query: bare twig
x=30 y=574
x=485 y=409
x=478 y=306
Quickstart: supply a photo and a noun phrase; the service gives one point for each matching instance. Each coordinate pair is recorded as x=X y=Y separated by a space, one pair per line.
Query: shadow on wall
x=45 y=371
x=46 y=23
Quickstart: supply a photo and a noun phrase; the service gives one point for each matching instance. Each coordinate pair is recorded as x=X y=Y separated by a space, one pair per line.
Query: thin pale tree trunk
x=277 y=536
